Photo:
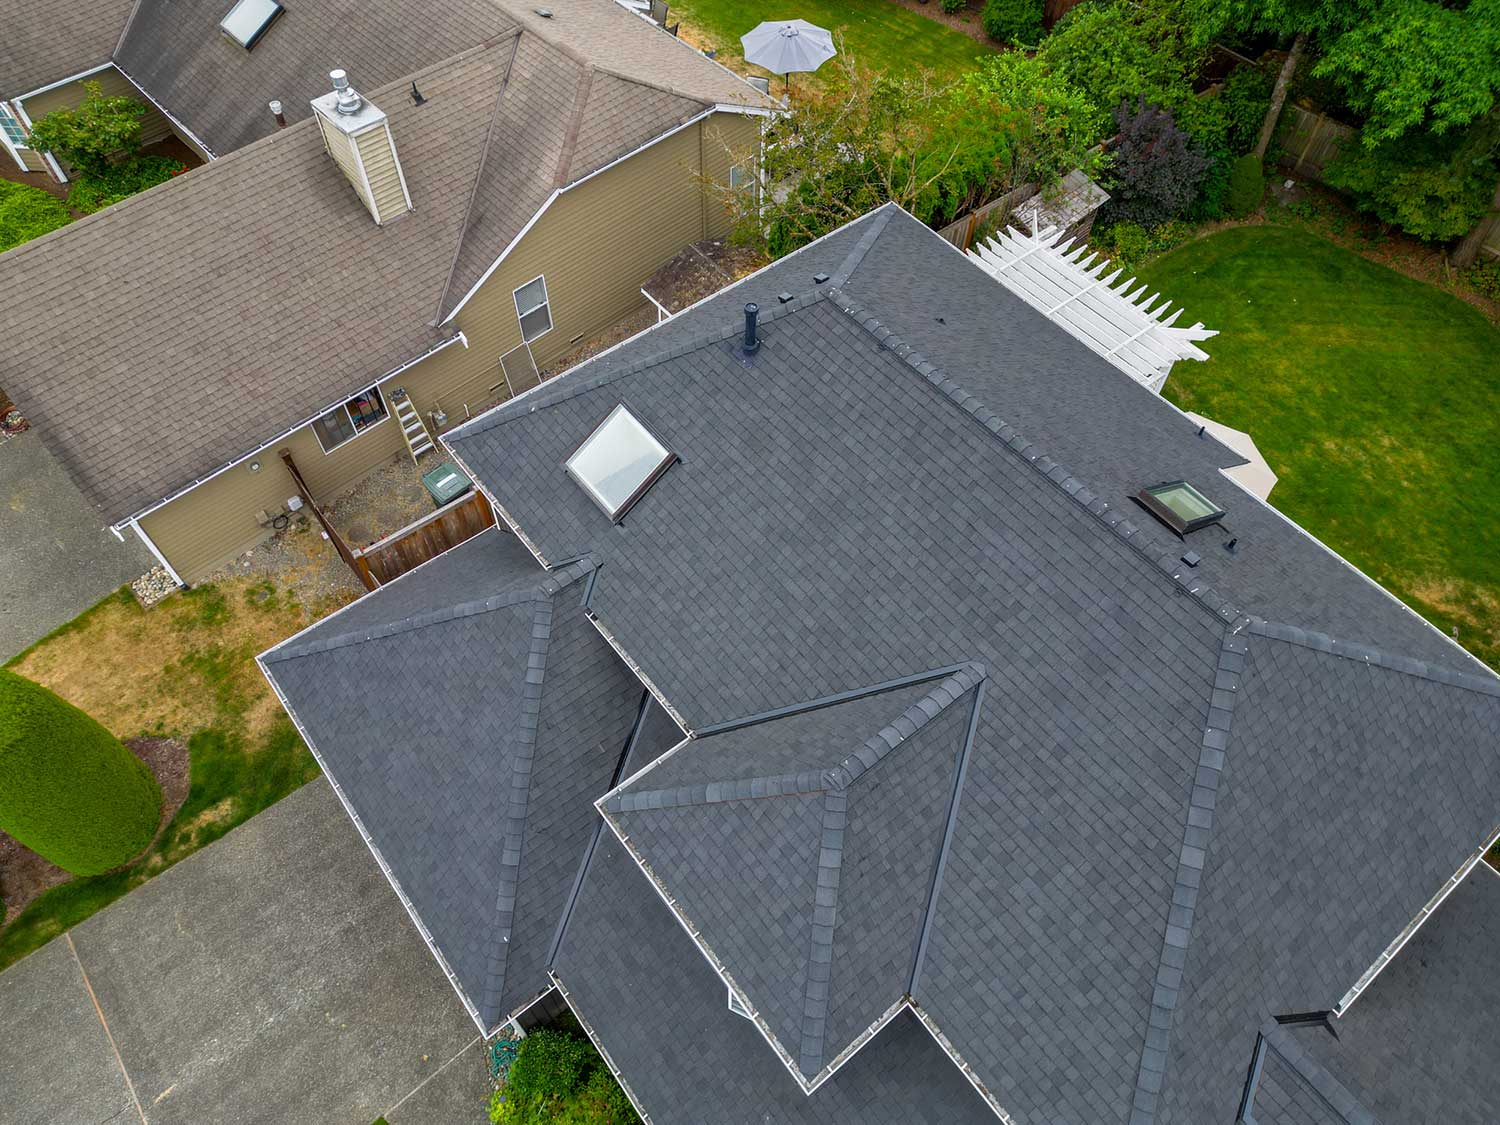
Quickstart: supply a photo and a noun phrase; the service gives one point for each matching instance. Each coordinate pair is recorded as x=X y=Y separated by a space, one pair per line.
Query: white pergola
x=1070 y=287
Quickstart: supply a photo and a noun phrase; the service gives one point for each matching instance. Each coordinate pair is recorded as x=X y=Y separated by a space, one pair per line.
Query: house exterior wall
x=154 y=125
x=594 y=262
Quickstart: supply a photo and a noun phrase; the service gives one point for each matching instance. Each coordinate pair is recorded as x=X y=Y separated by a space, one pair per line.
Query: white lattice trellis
x=1073 y=287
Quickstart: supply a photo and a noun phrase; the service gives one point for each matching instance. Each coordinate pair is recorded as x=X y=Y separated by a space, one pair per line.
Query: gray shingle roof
x=477 y=790
x=49 y=40
x=844 y=805
x=1419 y=1043
x=916 y=469
x=634 y=976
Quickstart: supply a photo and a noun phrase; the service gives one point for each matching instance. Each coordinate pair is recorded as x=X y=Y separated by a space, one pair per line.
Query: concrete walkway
x=56 y=556
x=272 y=977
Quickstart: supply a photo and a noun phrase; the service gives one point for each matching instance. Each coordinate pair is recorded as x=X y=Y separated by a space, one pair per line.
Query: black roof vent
x=1179 y=505
x=819 y=278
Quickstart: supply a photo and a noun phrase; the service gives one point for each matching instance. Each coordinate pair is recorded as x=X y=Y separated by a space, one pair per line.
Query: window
x=618 y=462
x=532 y=309
x=13 y=131
x=741 y=176
x=347 y=422
x=737 y=1006
x=1180 y=506
x=248 y=20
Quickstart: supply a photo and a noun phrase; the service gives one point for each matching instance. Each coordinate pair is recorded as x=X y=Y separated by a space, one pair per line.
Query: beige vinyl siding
x=154 y=125
x=341 y=147
x=377 y=150
x=595 y=246
x=33 y=160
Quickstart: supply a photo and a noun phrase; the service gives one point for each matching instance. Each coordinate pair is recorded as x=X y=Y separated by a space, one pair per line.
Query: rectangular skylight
x=248 y=20
x=618 y=462
x=1180 y=506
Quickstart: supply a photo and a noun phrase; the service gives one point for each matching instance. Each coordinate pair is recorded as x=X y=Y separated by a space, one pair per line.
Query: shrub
x=1247 y=184
x=26 y=213
x=95 y=190
x=100 y=127
x=1126 y=244
x=559 y=1079
x=1157 y=167
x=69 y=790
x=1484 y=279
x=1013 y=21
x=953 y=7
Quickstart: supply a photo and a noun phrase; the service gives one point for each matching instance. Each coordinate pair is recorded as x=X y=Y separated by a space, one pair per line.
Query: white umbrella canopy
x=782 y=46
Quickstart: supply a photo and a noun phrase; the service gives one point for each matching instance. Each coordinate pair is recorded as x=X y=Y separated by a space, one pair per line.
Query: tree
x=88 y=136
x=69 y=790
x=1434 y=186
x=1157 y=168
x=1468 y=248
x=938 y=151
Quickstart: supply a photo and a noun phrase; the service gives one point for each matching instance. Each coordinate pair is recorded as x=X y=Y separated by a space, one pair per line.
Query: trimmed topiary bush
x=1013 y=21
x=1247 y=184
x=69 y=790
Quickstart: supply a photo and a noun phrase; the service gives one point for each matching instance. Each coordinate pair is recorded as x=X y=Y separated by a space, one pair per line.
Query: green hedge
x=559 y=1079
x=26 y=213
x=69 y=790
x=1247 y=185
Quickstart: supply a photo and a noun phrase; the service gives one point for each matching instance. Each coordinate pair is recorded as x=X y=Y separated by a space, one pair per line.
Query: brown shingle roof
x=166 y=336
x=42 y=41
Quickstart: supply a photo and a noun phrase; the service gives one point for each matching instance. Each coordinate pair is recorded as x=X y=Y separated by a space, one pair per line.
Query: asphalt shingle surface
x=914 y=470
x=661 y=1014
x=476 y=789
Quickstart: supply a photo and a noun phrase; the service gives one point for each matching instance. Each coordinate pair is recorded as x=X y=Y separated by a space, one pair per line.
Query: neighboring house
x=507 y=200
x=838 y=736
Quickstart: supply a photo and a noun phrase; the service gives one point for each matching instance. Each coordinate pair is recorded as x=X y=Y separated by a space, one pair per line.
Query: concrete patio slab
x=57 y=1061
x=274 y=976
x=56 y=556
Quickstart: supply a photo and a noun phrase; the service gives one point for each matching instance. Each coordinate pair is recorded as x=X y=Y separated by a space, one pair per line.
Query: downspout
x=160 y=558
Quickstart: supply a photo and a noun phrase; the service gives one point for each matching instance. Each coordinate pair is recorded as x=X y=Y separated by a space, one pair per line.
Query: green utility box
x=446 y=483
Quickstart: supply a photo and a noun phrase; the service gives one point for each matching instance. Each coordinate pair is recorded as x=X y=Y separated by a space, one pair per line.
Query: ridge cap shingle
x=1368 y=654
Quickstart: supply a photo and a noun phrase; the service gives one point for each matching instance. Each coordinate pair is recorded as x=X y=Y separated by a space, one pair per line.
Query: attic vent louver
x=1180 y=506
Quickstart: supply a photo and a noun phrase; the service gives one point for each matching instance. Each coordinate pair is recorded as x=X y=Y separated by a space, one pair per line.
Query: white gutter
x=743 y=110
x=167 y=113
x=460 y=338
x=62 y=81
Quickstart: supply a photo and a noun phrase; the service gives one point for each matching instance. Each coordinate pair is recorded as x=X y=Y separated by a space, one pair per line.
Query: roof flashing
x=618 y=462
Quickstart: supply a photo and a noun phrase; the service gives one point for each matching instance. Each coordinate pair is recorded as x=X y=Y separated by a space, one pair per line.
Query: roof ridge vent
x=349 y=100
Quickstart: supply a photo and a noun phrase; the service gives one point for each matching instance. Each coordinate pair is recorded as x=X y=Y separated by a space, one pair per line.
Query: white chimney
x=358 y=137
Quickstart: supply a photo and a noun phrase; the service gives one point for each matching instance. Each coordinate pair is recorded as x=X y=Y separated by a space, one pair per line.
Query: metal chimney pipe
x=349 y=101
x=275 y=108
x=752 y=340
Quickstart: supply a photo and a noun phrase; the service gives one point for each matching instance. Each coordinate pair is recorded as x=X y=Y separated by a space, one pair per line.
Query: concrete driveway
x=56 y=556
x=272 y=977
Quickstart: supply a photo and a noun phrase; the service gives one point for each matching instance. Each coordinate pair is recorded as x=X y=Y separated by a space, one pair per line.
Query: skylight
x=248 y=20
x=618 y=462
x=1180 y=506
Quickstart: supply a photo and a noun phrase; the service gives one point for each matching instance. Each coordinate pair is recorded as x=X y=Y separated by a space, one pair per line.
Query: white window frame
x=344 y=406
x=14 y=147
x=521 y=314
x=738 y=1006
x=745 y=172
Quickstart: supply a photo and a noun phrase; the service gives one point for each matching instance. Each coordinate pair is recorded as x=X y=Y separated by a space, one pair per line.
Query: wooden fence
x=961 y=232
x=1311 y=140
x=425 y=539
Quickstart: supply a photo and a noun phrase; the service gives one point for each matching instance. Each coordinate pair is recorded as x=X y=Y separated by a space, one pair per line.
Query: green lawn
x=881 y=35
x=1373 y=396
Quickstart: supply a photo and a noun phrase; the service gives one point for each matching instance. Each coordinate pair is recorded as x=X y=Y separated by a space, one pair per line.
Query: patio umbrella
x=782 y=46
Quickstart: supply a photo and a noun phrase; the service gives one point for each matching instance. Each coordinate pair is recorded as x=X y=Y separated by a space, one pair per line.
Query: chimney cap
x=348 y=101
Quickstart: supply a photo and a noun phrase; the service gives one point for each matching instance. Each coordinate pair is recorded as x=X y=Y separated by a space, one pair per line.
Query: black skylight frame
x=1152 y=499
x=258 y=34
x=669 y=459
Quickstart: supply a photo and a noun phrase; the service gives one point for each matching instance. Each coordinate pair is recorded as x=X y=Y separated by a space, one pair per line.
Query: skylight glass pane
x=617 y=461
x=248 y=19
x=1186 y=502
